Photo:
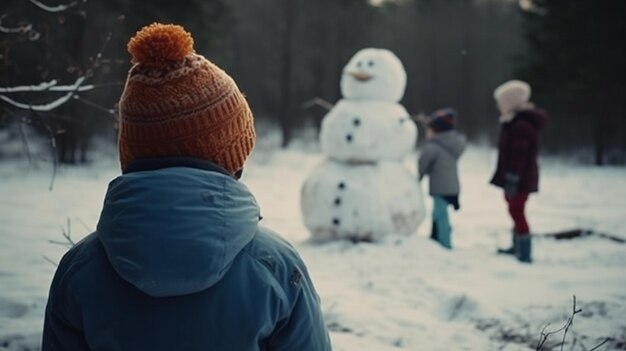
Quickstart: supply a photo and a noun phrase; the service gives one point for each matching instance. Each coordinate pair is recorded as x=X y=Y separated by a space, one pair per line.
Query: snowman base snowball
x=361 y=202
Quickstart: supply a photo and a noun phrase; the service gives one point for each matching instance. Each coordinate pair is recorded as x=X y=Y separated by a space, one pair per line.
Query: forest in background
x=283 y=53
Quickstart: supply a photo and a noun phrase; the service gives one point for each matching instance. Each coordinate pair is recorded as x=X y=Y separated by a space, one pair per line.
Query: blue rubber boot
x=524 y=248
x=511 y=250
x=441 y=222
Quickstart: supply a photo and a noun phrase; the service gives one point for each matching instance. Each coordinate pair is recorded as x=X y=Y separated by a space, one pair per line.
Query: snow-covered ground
x=400 y=294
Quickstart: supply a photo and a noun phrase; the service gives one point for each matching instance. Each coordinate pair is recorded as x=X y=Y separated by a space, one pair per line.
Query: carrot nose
x=360 y=76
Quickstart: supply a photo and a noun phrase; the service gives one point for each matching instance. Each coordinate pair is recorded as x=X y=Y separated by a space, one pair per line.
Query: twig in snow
x=457 y=307
x=544 y=336
x=53 y=147
x=51 y=261
x=84 y=225
x=581 y=233
x=67 y=235
x=570 y=321
x=600 y=345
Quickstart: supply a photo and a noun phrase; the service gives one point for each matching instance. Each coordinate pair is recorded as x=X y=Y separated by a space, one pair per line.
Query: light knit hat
x=177 y=103
x=511 y=97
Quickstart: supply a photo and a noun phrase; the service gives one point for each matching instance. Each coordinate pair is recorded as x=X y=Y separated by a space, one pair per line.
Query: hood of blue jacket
x=175 y=231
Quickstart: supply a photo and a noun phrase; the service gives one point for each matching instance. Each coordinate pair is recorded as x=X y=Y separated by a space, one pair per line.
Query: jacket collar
x=152 y=164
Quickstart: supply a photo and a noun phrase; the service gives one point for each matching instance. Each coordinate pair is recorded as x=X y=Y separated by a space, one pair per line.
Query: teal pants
x=441 y=223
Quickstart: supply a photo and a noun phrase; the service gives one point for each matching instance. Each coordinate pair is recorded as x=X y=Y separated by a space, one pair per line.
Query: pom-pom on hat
x=442 y=120
x=177 y=103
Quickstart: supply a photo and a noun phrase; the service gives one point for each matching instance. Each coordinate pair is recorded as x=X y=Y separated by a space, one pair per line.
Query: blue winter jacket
x=178 y=262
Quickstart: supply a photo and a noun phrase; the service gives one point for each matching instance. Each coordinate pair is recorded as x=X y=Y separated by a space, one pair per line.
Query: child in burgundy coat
x=517 y=172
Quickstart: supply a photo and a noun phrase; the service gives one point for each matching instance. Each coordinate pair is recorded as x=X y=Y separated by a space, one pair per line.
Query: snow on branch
x=49 y=86
x=22 y=29
x=39 y=108
x=318 y=102
x=14 y=30
x=51 y=105
x=58 y=8
x=27 y=88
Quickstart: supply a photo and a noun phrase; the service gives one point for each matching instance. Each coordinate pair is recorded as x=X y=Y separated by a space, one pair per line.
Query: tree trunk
x=600 y=142
x=289 y=7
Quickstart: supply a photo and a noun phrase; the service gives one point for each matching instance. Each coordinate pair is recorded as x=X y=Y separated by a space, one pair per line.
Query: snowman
x=362 y=191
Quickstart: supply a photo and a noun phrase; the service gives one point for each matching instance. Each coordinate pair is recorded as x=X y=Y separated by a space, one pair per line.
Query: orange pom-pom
x=159 y=44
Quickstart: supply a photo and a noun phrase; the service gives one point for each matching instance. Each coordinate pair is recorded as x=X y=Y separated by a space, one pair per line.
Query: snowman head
x=374 y=74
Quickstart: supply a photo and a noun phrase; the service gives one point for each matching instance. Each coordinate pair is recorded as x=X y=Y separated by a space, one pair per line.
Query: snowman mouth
x=360 y=76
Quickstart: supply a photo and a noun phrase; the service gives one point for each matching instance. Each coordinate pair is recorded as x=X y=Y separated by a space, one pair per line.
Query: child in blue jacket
x=178 y=260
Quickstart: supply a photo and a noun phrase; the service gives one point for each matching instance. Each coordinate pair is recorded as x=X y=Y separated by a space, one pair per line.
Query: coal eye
x=371 y=63
x=359 y=64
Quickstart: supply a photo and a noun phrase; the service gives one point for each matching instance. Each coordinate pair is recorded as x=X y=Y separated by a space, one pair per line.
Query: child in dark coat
x=438 y=160
x=517 y=172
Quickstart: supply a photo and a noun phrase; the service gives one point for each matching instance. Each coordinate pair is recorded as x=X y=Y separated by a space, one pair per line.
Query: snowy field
x=400 y=294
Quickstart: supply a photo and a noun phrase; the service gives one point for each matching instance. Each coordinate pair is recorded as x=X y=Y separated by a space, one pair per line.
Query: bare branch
x=318 y=102
x=26 y=28
x=95 y=105
x=55 y=163
x=58 y=8
x=420 y=118
x=25 y=142
x=71 y=88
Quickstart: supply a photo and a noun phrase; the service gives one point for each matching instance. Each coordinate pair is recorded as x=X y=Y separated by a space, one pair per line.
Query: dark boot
x=511 y=250
x=524 y=248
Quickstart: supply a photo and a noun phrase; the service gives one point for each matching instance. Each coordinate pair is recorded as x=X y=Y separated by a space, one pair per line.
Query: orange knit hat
x=177 y=103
